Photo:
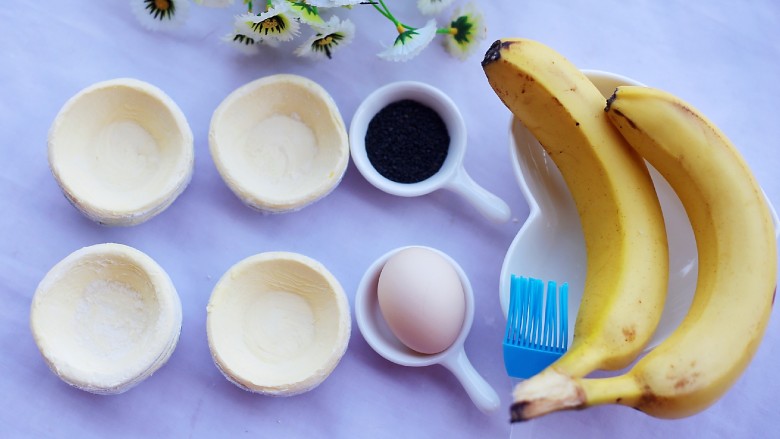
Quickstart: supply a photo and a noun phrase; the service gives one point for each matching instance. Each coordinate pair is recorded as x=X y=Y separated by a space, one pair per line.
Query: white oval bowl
x=452 y=175
x=428 y=96
x=377 y=332
x=121 y=151
x=279 y=143
x=550 y=244
x=105 y=318
x=278 y=323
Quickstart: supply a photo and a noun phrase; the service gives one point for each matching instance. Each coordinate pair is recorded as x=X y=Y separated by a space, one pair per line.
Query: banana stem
x=544 y=393
x=551 y=391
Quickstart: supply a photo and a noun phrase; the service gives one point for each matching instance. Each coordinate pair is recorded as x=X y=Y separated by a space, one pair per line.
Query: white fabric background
x=722 y=56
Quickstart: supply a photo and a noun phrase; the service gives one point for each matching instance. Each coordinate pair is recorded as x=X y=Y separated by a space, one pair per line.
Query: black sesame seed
x=407 y=142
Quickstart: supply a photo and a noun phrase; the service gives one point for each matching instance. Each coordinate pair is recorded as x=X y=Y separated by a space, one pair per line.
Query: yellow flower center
x=270 y=23
x=162 y=5
x=325 y=41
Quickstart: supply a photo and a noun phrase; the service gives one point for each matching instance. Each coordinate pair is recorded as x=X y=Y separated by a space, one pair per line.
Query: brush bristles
x=534 y=321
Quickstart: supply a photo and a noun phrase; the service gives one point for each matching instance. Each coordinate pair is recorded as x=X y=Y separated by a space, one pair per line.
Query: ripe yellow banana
x=737 y=274
x=625 y=238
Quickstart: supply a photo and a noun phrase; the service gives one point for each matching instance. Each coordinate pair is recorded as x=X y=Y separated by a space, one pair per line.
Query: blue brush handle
x=525 y=364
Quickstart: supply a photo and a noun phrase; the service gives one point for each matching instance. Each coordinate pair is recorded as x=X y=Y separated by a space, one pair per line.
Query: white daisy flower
x=467 y=30
x=432 y=7
x=160 y=14
x=242 y=36
x=273 y=24
x=306 y=13
x=410 y=42
x=215 y=3
x=333 y=3
x=334 y=35
x=241 y=42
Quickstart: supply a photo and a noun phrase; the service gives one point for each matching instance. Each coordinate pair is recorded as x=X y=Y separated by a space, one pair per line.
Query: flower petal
x=306 y=13
x=334 y=35
x=215 y=3
x=243 y=43
x=160 y=15
x=273 y=24
x=333 y=3
x=432 y=7
x=410 y=43
x=467 y=31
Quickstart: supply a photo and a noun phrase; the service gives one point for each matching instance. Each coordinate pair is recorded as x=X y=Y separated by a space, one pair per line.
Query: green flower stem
x=384 y=11
x=384 y=6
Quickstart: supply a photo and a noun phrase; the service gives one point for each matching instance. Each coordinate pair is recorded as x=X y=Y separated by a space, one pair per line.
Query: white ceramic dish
x=105 y=318
x=278 y=323
x=279 y=143
x=550 y=243
x=380 y=337
x=452 y=174
x=121 y=151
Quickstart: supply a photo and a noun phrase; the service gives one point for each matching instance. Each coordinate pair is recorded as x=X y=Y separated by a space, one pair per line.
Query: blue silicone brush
x=537 y=328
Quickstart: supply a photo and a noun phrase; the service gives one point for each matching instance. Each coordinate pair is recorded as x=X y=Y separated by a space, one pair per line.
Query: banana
x=625 y=238
x=737 y=276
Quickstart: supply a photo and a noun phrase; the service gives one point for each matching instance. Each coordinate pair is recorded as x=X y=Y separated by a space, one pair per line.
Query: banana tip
x=494 y=52
x=611 y=99
x=517 y=412
x=544 y=393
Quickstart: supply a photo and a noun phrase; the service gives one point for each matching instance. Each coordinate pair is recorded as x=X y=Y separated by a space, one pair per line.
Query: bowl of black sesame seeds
x=409 y=139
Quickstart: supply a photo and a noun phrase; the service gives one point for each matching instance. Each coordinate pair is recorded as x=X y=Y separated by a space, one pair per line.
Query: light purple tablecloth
x=722 y=56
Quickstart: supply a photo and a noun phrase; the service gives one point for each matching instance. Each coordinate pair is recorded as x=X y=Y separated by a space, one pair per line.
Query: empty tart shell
x=278 y=323
x=105 y=318
x=279 y=143
x=121 y=151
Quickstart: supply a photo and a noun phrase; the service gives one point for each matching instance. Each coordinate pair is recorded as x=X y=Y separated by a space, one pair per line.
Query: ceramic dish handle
x=488 y=204
x=480 y=392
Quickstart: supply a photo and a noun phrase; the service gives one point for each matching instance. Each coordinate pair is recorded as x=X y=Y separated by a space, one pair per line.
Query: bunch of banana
x=737 y=252
x=625 y=238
